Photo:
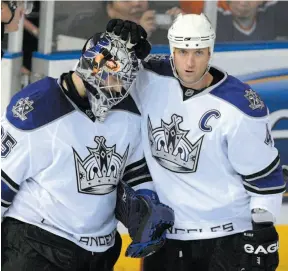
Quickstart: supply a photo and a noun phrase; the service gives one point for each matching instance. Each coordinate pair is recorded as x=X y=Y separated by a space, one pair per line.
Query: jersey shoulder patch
x=242 y=96
x=159 y=64
x=38 y=104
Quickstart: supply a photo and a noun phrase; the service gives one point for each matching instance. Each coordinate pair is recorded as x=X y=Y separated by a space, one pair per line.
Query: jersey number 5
x=7 y=143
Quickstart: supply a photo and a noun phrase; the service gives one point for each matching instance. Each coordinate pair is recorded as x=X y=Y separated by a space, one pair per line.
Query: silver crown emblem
x=22 y=108
x=254 y=99
x=171 y=148
x=100 y=171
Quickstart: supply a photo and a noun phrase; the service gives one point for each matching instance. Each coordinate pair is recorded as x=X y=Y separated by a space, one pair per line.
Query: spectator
x=252 y=21
x=30 y=37
x=11 y=14
x=137 y=11
x=73 y=13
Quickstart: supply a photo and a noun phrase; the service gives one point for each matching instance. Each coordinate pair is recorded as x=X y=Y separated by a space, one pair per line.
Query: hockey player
x=60 y=167
x=208 y=145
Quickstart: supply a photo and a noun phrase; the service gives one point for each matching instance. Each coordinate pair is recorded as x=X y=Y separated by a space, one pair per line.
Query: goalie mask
x=108 y=69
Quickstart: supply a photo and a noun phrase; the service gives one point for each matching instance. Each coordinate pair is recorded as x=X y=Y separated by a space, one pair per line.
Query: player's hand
x=145 y=218
x=134 y=34
x=259 y=248
x=150 y=235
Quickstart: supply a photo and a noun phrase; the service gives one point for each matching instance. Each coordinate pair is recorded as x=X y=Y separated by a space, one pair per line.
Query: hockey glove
x=145 y=218
x=133 y=33
x=260 y=248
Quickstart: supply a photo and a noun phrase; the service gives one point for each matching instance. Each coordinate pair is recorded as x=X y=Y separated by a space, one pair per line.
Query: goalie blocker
x=145 y=217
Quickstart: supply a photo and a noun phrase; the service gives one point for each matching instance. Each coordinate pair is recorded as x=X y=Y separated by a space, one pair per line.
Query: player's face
x=191 y=64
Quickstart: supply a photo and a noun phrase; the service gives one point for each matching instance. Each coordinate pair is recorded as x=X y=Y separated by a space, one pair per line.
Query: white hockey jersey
x=65 y=166
x=211 y=155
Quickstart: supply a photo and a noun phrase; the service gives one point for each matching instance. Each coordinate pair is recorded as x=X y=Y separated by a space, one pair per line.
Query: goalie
x=66 y=144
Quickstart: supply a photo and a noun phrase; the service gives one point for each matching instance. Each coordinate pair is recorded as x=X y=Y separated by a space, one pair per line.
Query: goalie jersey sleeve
x=252 y=154
x=20 y=160
x=25 y=150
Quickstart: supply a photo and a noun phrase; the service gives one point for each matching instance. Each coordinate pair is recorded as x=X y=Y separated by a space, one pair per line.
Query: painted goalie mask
x=108 y=69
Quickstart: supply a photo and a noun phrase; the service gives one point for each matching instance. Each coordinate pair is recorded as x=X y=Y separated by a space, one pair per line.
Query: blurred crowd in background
x=74 y=21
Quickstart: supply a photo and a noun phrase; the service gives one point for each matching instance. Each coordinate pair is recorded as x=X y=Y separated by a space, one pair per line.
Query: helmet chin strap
x=183 y=82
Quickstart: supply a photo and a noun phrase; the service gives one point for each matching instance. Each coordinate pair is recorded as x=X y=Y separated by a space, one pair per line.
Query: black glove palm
x=136 y=33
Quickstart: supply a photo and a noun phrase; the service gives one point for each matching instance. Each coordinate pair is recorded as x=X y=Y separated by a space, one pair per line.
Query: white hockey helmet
x=191 y=31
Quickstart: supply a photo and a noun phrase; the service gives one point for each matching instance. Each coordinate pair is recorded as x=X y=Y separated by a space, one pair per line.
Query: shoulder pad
x=159 y=64
x=38 y=104
x=242 y=96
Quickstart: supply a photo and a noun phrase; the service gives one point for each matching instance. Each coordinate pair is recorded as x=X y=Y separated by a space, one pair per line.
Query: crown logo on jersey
x=22 y=108
x=171 y=148
x=254 y=99
x=100 y=171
